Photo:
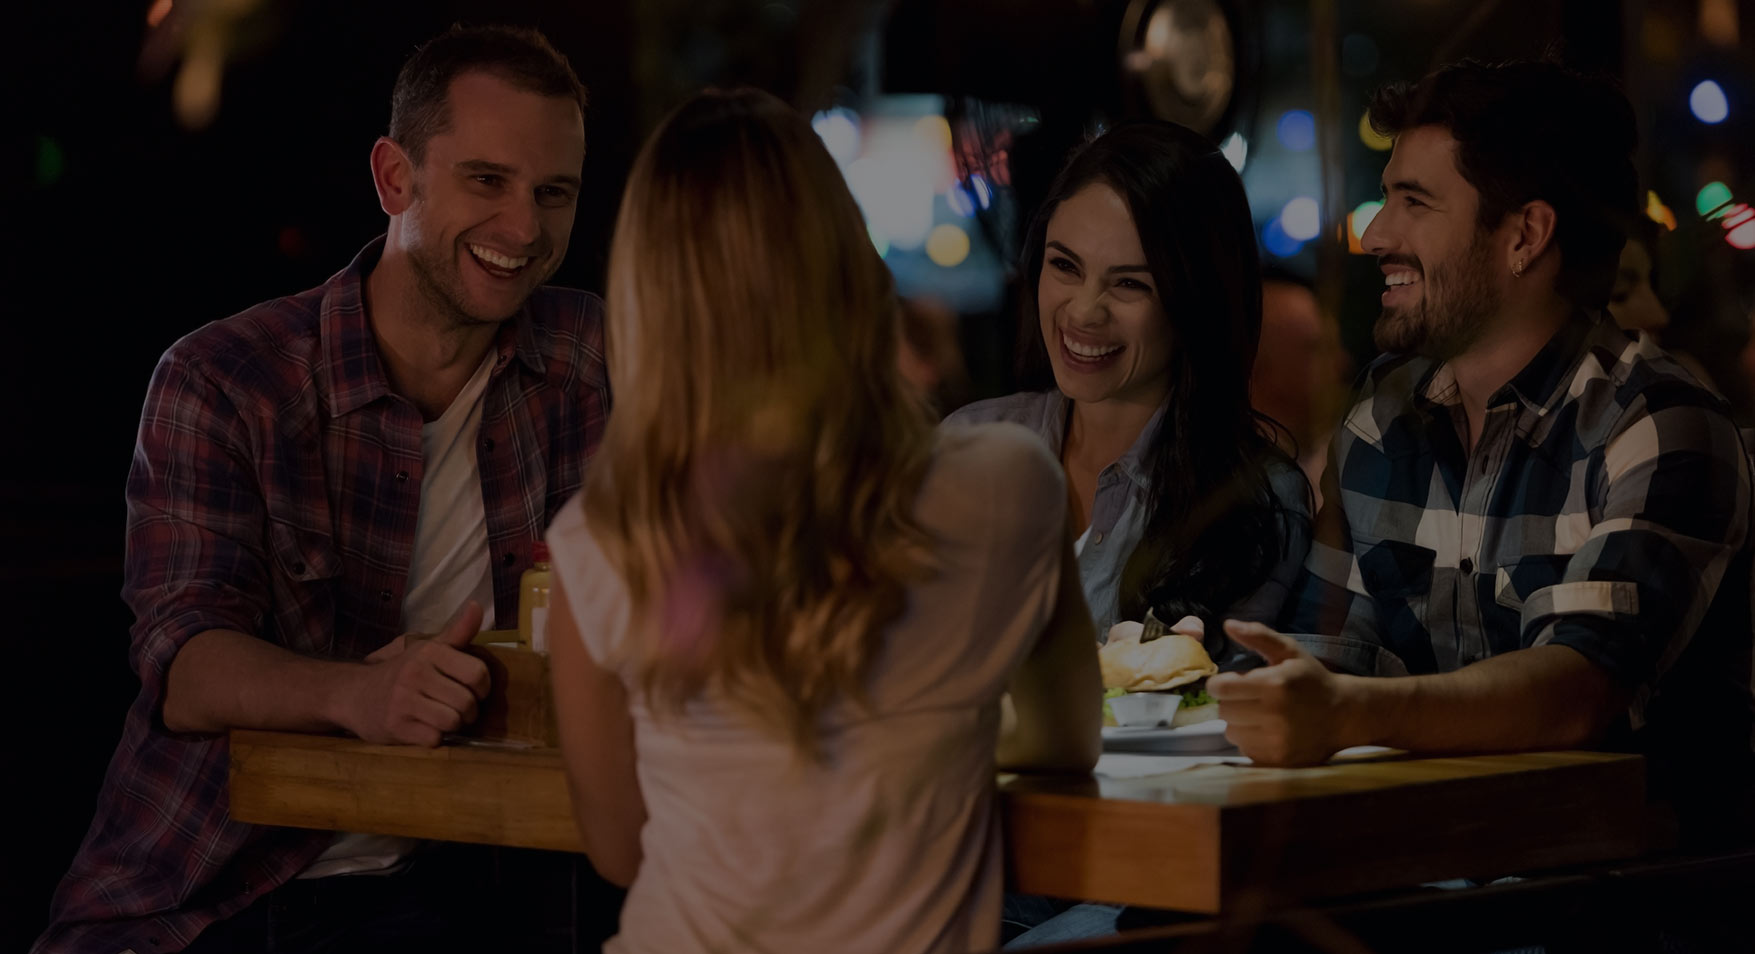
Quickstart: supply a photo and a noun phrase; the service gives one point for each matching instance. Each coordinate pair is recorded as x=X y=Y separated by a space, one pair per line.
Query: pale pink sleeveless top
x=891 y=842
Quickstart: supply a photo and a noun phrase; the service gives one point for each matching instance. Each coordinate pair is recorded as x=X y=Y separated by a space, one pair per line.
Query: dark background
x=123 y=230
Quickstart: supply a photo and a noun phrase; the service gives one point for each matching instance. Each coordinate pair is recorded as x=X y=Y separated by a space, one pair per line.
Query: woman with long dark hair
x=1142 y=279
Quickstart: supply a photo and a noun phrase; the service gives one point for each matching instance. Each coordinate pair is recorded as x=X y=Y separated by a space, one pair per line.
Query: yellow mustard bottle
x=533 y=600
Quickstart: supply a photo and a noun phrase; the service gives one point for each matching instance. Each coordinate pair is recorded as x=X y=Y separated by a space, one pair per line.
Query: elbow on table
x=1588 y=725
x=178 y=717
x=1601 y=703
x=1584 y=719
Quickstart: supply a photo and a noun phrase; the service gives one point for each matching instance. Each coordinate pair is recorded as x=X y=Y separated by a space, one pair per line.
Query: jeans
x=1077 y=923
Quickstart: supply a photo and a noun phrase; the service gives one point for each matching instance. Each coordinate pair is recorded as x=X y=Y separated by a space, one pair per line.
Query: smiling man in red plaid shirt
x=324 y=472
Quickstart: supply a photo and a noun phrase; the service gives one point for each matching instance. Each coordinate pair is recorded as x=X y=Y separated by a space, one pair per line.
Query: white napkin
x=1138 y=765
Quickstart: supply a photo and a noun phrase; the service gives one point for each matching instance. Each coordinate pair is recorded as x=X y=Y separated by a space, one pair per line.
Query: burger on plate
x=1172 y=664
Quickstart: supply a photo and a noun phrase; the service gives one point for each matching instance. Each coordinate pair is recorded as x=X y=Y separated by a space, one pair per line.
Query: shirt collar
x=352 y=369
x=1539 y=386
x=1136 y=463
x=1051 y=425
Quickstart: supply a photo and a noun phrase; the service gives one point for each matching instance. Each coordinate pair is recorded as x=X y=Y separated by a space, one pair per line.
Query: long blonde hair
x=756 y=483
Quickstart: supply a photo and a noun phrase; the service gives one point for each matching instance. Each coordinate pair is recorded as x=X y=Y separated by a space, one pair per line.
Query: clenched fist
x=419 y=687
x=1292 y=711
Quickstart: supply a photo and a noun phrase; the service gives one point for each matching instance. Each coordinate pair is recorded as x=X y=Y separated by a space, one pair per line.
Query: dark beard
x=1453 y=311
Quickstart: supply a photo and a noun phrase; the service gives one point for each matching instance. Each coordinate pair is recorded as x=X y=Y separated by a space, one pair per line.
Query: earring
x=1517 y=269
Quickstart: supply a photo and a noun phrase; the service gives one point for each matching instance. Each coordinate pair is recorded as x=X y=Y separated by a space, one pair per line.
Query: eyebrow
x=1069 y=253
x=475 y=166
x=1406 y=185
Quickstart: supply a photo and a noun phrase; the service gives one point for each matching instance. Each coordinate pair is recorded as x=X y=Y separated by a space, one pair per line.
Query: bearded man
x=1535 y=524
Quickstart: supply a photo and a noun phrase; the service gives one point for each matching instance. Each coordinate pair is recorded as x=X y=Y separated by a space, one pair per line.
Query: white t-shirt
x=450 y=566
x=450 y=562
x=892 y=838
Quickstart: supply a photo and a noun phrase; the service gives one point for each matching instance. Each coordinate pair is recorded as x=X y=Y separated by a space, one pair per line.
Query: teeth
x=1087 y=352
x=492 y=257
x=1400 y=278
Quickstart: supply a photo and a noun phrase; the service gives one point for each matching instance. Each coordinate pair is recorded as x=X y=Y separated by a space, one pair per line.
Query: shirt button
x=384 y=595
x=1467 y=565
x=1096 y=538
x=402 y=476
x=508 y=559
x=298 y=568
x=487 y=444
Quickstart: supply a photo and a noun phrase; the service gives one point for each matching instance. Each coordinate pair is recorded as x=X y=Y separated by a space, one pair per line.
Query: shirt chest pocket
x=1394 y=570
x=1398 y=576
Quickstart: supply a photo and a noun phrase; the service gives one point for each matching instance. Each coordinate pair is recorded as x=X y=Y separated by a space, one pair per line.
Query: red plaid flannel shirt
x=274 y=491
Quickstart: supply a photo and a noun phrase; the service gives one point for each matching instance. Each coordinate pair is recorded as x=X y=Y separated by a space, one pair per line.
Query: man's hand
x=1291 y=711
x=417 y=687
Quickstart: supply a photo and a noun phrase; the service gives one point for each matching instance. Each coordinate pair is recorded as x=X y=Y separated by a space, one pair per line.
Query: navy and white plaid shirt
x=1605 y=507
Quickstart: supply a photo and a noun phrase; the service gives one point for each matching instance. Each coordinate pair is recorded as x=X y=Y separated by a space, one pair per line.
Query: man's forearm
x=1547 y=697
x=222 y=680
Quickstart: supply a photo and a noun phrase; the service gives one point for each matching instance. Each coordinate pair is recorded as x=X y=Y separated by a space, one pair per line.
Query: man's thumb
x=463 y=627
x=1262 y=641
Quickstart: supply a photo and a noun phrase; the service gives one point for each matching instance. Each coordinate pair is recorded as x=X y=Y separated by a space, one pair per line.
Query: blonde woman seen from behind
x=785 y=611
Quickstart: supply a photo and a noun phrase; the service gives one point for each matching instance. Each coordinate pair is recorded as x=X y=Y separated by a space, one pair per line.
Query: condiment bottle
x=533 y=600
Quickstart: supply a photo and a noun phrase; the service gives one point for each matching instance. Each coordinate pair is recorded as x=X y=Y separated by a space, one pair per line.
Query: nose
x=1088 y=305
x=1376 y=240
x=521 y=221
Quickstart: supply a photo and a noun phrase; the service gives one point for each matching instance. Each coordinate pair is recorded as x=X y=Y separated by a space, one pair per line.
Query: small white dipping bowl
x=1144 y=709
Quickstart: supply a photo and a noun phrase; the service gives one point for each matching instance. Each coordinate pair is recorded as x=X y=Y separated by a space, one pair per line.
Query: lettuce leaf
x=1108 y=694
x=1198 y=697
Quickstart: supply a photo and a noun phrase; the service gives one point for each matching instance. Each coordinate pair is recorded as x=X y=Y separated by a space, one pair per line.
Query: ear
x=1535 y=224
x=393 y=175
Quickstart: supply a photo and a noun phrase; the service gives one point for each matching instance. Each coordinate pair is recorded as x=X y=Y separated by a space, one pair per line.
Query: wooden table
x=1213 y=839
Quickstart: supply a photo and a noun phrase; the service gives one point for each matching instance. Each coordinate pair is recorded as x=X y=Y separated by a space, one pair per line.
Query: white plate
x=1206 y=736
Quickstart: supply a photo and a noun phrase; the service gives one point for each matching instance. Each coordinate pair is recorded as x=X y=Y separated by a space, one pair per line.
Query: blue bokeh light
x=1277 y=242
x=1297 y=130
x=983 y=191
x=1708 y=103
x=960 y=201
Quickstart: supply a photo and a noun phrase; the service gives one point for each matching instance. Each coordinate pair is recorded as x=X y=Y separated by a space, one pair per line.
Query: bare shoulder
x=1007 y=468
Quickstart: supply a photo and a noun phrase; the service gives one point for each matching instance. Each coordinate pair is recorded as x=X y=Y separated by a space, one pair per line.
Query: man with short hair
x=1537 y=524
x=323 y=472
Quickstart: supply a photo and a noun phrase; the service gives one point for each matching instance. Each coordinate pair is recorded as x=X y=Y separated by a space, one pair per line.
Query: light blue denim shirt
x=1118 y=514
